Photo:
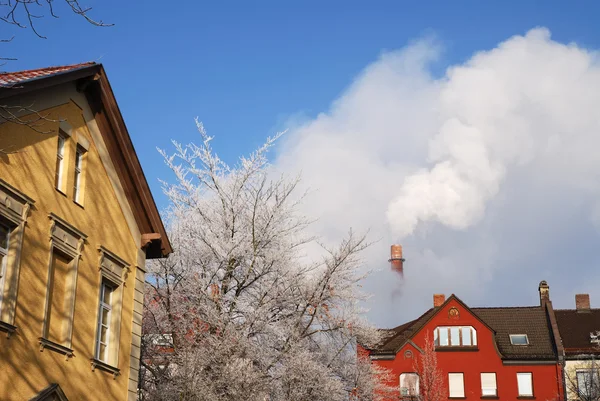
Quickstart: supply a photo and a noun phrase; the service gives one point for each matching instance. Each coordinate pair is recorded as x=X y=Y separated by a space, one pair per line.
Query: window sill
x=456 y=348
x=525 y=397
x=97 y=364
x=78 y=204
x=457 y=398
x=61 y=192
x=51 y=345
x=490 y=397
x=8 y=328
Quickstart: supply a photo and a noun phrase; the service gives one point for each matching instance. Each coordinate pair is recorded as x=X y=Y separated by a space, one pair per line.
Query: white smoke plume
x=488 y=175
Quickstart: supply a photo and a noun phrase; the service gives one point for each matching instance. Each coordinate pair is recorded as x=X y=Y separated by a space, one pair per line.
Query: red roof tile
x=12 y=78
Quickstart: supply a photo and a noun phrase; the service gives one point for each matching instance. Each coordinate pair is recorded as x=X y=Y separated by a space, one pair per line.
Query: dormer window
x=519 y=339
x=455 y=336
x=595 y=337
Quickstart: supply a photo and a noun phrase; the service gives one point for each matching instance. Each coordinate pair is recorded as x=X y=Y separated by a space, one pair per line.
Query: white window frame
x=519 y=335
x=4 y=263
x=405 y=390
x=456 y=392
x=113 y=273
x=521 y=391
x=448 y=330
x=14 y=210
x=69 y=241
x=60 y=160
x=160 y=340
x=486 y=390
x=108 y=307
x=593 y=374
x=77 y=192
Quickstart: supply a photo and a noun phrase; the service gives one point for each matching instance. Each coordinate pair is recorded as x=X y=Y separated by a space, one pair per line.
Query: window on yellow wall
x=60 y=160
x=103 y=331
x=5 y=230
x=78 y=181
x=113 y=274
x=58 y=298
x=14 y=209
x=65 y=251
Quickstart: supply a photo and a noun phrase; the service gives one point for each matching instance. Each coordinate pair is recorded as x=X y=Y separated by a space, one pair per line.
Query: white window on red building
x=456 y=385
x=455 y=336
x=488 y=384
x=409 y=384
x=525 y=384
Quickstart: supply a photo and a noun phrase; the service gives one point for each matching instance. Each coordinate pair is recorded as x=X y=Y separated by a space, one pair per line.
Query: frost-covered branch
x=250 y=315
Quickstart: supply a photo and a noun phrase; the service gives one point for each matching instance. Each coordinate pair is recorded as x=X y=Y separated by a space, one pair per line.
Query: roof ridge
x=70 y=66
x=506 y=307
x=408 y=324
x=575 y=310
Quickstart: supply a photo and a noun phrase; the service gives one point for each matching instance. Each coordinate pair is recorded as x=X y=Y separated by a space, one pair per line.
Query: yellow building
x=77 y=223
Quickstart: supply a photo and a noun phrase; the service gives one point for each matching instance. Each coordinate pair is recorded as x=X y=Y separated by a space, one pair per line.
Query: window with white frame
x=103 y=331
x=525 y=384
x=78 y=181
x=588 y=383
x=65 y=250
x=455 y=336
x=60 y=160
x=113 y=274
x=456 y=385
x=160 y=340
x=409 y=384
x=4 y=241
x=14 y=209
x=519 y=339
x=488 y=384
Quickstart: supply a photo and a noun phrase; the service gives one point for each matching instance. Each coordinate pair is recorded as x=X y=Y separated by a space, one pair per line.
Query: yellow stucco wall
x=30 y=168
x=570 y=371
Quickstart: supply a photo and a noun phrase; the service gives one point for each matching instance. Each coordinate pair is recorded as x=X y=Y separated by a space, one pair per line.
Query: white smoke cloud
x=481 y=173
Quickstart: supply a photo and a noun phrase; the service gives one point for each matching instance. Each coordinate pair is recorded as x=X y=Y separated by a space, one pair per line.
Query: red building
x=504 y=353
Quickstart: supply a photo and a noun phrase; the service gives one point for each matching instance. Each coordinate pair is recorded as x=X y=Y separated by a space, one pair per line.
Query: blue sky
x=245 y=68
x=394 y=110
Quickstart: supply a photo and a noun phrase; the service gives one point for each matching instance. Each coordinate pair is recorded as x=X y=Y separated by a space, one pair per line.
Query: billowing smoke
x=489 y=175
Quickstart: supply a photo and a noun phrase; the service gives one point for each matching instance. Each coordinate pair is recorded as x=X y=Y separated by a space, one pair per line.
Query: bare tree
x=583 y=378
x=23 y=14
x=431 y=384
x=250 y=315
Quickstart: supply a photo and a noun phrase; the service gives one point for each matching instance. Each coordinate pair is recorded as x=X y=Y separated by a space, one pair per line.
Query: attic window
x=519 y=339
x=455 y=336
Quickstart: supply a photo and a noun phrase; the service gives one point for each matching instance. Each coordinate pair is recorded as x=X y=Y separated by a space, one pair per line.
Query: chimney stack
x=396 y=260
x=438 y=300
x=582 y=302
x=544 y=290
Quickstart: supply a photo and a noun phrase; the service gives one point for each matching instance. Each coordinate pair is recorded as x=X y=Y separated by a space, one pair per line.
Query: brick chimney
x=544 y=290
x=396 y=260
x=438 y=300
x=582 y=302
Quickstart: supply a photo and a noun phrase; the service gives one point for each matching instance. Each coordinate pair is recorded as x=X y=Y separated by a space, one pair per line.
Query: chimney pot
x=582 y=302
x=396 y=259
x=544 y=290
x=438 y=300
